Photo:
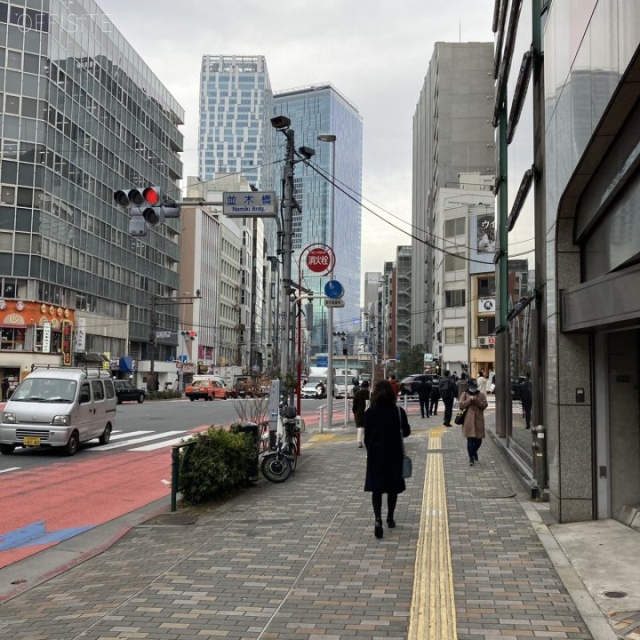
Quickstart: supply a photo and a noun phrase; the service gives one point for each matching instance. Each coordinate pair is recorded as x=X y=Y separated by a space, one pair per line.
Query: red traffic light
x=151 y=195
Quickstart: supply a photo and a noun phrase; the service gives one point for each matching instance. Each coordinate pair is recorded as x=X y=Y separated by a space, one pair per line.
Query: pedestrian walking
x=385 y=424
x=448 y=393
x=361 y=400
x=433 y=400
x=424 y=395
x=5 y=388
x=482 y=383
x=394 y=384
x=474 y=403
x=462 y=384
x=526 y=397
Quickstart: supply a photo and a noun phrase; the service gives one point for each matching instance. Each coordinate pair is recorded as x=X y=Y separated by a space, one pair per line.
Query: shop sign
x=46 y=337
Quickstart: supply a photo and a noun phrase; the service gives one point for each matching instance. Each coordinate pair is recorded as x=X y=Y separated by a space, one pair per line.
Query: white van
x=59 y=407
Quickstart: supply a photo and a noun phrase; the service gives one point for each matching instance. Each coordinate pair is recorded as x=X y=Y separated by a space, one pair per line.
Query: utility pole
x=287 y=249
x=152 y=345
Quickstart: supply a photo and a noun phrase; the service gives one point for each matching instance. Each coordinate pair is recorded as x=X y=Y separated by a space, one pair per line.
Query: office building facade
x=316 y=110
x=452 y=135
x=83 y=115
x=590 y=306
x=236 y=138
x=235 y=132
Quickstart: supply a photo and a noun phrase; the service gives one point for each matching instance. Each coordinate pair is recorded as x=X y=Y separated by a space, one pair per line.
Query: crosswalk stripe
x=159 y=445
x=118 y=435
x=128 y=443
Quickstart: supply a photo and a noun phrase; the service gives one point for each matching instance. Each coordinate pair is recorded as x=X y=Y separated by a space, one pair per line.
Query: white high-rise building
x=236 y=106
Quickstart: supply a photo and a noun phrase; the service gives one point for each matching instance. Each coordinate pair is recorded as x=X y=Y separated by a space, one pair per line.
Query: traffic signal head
x=148 y=206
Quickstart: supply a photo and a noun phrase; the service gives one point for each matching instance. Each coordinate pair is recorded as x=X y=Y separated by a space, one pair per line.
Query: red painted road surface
x=81 y=493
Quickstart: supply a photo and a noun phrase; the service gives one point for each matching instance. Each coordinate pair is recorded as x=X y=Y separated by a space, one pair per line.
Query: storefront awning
x=126 y=364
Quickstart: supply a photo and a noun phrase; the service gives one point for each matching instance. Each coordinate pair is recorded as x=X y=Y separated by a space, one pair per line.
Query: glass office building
x=82 y=115
x=315 y=110
x=236 y=106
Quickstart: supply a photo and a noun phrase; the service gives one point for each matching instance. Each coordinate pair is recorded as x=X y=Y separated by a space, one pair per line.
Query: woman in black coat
x=385 y=424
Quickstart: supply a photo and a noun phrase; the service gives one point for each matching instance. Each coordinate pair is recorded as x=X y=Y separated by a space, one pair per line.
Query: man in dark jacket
x=448 y=393
x=433 y=399
x=360 y=405
x=526 y=397
x=424 y=394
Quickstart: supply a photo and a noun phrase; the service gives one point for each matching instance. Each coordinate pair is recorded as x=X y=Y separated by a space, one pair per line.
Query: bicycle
x=280 y=463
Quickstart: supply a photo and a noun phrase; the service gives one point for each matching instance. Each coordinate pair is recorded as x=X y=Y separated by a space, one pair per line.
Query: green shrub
x=215 y=466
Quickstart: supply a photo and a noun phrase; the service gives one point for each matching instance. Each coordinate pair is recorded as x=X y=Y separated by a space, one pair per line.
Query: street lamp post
x=330 y=137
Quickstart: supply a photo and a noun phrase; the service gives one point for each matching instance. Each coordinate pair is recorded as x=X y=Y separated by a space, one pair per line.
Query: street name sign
x=249 y=204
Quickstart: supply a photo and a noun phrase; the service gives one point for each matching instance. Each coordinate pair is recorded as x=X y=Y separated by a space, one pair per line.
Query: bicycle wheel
x=275 y=467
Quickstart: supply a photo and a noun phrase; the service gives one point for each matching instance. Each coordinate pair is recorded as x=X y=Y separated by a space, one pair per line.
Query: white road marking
x=159 y=445
x=10 y=469
x=128 y=443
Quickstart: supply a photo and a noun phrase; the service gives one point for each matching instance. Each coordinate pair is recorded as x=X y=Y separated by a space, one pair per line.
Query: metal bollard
x=539 y=447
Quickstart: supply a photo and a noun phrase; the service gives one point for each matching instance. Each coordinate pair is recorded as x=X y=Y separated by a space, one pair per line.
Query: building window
x=454 y=262
x=453 y=228
x=455 y=298
x=486 y=326
x=486 y=286
x=454 y=335
x=13 y=339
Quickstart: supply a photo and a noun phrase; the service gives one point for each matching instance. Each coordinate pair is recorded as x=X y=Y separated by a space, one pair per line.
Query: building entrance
x=624 y=425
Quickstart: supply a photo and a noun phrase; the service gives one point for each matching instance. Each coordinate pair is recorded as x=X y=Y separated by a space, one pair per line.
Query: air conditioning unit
x=483 y=341
x=486 y=305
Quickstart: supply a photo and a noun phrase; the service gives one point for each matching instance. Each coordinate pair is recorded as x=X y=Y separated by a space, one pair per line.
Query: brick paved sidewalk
x=299 y=561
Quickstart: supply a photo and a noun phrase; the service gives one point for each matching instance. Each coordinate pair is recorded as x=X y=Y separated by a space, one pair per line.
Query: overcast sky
x=376 y=53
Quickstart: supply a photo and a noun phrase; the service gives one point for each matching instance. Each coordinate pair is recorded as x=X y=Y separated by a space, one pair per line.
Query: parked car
x=206 y=390
x=127 y=391
x=338 y=390
x=409 y=385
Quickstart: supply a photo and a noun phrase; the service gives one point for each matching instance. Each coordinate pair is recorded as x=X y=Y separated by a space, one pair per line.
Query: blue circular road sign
x=333 y=289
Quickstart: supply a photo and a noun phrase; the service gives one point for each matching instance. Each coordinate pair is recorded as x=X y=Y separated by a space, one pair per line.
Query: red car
x=206 y=390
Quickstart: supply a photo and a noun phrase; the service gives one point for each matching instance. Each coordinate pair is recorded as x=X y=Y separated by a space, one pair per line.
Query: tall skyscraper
x=83 y=116
x=236 y=137
x=236 y=107
x=316 y=110
x=452 y=134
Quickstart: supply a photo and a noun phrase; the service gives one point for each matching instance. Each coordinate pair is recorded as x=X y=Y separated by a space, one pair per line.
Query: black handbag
x=459 y=419
x=407 y=465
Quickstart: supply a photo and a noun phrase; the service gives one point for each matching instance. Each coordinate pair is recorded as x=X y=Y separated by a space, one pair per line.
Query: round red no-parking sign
x=319 y=260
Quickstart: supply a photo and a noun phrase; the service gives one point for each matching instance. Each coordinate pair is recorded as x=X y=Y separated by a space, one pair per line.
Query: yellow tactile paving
x=432 y=615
